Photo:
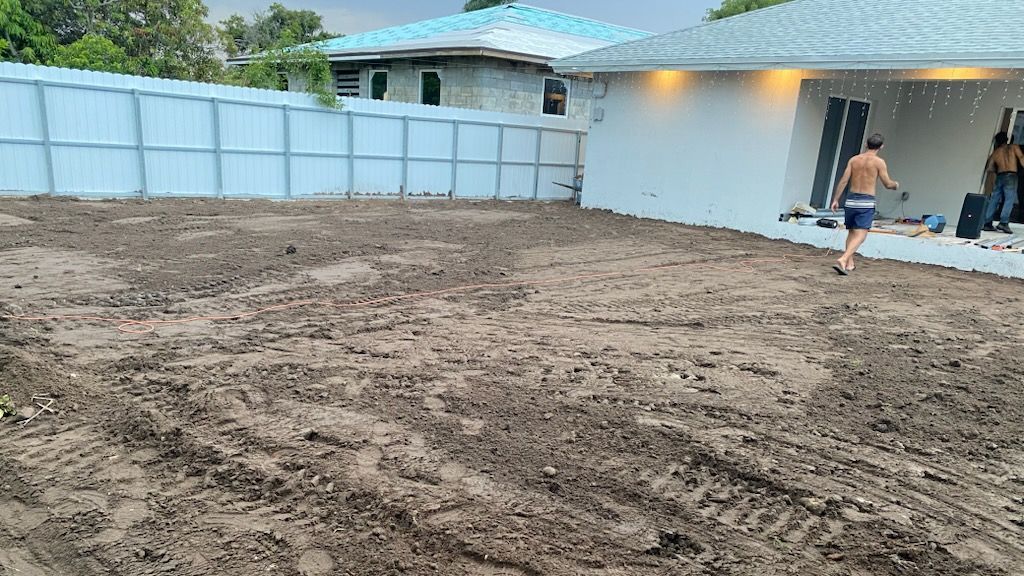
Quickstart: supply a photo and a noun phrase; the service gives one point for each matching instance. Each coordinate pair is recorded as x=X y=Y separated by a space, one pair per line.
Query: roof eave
x=1016 y=61
x=421 y=53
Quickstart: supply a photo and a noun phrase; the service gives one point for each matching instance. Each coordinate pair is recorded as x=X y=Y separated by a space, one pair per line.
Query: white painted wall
x=940 y=155
x=709 y=149
x=936 y=142
x=969 y=258
x=810 y=119
x=735 y=150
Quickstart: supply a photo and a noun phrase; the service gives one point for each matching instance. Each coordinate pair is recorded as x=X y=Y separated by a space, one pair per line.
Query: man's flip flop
x=840 y=270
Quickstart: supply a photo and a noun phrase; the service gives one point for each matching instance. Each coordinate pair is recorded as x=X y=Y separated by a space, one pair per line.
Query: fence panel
x=105 y=135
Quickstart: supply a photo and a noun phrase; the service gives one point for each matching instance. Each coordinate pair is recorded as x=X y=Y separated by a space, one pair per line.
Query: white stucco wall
x=810 y=119
x=968 y=258
x=734 y=150
x=939 y=155
x=708 y=149
x=936 y=142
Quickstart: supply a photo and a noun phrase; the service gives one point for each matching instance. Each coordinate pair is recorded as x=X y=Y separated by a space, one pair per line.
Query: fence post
x=137 y=103
x=51 y=180
x=536 y=164
x=455 y=157
x=351 y=155
x=576 y=162
x=405 y=157
x=287 y=152
x=217 y=148
x=497 y=171
x=577 y=194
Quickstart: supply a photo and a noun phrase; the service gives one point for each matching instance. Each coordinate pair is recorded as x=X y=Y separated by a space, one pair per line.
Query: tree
x=92 y=52
x=22 y=37
x=164 y=38
x=168 y=38
x=276 y=27
x=734 y=7
x=472 y=5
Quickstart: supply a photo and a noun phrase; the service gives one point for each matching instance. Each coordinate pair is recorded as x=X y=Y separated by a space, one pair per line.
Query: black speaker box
x=972 y=217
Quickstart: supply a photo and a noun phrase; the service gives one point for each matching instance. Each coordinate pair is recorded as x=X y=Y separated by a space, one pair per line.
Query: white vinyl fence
x=103 y=135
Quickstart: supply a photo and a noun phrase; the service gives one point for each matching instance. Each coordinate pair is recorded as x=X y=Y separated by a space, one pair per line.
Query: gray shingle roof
x=830 y=34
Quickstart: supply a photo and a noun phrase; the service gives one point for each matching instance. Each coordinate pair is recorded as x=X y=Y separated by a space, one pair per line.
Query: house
x=730 y=123
x=494 y=59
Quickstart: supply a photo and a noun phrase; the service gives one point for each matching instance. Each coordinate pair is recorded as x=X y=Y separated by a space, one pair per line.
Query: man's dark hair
x=1002 y=139
x=875 y=142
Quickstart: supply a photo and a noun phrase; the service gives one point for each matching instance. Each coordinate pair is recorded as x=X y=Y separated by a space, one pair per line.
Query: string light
x=935 y=96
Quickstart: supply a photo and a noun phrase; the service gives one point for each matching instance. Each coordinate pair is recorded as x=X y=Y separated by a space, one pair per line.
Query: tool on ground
x=36 y=400
x=936 y=223
x=1001 y=243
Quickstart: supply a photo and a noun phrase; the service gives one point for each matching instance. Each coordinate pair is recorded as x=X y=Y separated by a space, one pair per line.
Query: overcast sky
x=351 y=16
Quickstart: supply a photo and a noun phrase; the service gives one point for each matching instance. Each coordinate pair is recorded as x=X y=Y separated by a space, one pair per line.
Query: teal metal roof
x=829 y=34
x=511 y=14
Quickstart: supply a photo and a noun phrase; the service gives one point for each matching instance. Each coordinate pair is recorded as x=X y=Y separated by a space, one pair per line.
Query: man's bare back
x=866 y=170
x=862 y=174
x=1006 y=158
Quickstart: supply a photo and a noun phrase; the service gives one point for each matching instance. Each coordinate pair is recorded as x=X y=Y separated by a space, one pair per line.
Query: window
x=379 y=84
x=842 y=138
x=348 y=83
x=556 y=97
x=430 y=87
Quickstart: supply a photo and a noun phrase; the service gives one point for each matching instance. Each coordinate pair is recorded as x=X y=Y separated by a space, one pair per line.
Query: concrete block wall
x=480 y=83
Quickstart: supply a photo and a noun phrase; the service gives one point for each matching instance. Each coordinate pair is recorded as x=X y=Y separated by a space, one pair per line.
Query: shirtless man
x=861 y=173
x=1004 y=161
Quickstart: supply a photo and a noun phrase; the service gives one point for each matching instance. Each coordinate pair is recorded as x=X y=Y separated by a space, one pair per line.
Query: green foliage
x=7 y=407
x=271 y=68
x=167 y=39
x=734 y=7
x=472 y=5
x=93 y=52
x=275 y=27
x=22 y=37
x=163 y=38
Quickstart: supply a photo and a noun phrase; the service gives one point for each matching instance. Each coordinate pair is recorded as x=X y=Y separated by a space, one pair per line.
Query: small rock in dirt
x=865 y=506
x=140 y=553
x=550 y=471
x=329 y=488
x=992 y=446
x=17 y=286
x=548 y=416
x=813 y=505
x=309 y=434
x=955 y=363
x=291 y=249
x=835 y=557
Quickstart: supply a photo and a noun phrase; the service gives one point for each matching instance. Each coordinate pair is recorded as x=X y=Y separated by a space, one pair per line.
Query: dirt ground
x=713 y=421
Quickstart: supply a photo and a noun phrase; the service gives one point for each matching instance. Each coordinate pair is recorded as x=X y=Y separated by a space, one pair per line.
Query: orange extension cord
x=139 y=327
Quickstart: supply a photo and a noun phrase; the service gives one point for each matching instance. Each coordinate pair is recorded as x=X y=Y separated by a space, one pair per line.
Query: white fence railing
x=103 y=135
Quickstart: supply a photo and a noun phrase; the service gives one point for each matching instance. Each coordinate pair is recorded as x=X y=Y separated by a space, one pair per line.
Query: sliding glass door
x=842 y=138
